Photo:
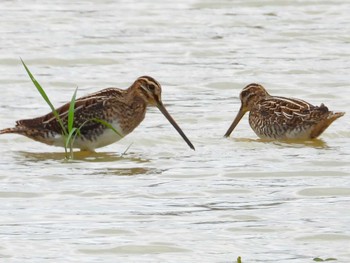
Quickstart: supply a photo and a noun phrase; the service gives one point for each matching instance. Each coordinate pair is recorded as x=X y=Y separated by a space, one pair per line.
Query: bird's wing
x=87 y=108
x=292 y=110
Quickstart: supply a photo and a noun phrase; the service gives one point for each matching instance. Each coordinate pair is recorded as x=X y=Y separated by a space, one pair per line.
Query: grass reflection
x=82 y=156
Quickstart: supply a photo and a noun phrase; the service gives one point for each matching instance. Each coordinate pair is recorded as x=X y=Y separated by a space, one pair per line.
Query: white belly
x=107 y=137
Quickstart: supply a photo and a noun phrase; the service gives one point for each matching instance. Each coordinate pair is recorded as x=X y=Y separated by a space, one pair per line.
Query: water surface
x=162 y=202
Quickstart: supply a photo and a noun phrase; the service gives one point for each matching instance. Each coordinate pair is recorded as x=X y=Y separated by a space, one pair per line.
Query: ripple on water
x=153 y=248
x=326 y=191
x=21 y=194
x=325 y=237
x=111 y=232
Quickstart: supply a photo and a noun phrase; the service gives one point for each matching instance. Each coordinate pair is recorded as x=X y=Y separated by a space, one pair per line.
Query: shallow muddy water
x=160 y=201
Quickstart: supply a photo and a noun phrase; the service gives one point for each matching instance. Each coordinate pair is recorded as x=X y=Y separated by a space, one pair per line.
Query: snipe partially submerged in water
x=123 y=109
x=282 y=118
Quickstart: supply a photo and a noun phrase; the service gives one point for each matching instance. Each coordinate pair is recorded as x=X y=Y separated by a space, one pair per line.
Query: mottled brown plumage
x=282 y=118
x=123 y=109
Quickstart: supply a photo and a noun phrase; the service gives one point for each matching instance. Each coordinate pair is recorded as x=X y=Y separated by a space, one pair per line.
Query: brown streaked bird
x=282 y=118
x=123 y=109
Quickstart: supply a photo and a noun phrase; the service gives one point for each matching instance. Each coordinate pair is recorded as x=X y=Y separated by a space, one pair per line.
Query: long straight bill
x=239 y=116
x=172 y=121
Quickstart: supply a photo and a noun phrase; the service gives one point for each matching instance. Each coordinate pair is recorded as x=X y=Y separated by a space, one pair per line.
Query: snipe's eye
x=151 y=87
x=244 y=93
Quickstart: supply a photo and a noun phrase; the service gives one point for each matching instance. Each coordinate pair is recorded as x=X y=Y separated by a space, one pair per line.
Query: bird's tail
x=12 y=130
x=323 y=125
x=335 y=115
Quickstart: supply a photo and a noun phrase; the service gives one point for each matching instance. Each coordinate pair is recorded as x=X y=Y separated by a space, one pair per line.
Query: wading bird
x=124 y=110
x=282 y=118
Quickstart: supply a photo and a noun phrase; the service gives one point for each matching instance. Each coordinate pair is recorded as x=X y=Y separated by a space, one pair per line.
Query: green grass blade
x=45 y=97
x=72 y=132
x=71 y=111
x=70 y=141
x=108 y=125
x=70 y=137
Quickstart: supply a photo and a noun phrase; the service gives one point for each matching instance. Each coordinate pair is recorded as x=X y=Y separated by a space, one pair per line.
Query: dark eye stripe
x=149 y=80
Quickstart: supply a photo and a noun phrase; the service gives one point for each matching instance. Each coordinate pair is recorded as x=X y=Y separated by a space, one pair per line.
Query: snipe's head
x=249 y=96
x=151 y=91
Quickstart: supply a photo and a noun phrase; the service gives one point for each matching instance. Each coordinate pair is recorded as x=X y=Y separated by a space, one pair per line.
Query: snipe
x=123 y=109
x=282 y=118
